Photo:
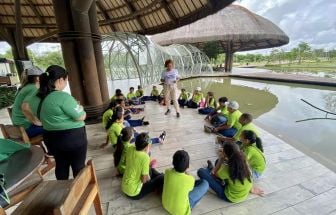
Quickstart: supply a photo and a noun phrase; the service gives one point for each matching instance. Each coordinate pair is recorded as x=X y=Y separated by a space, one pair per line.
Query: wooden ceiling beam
x=105 y=14
x=132 y=10
x=41 y=38
x=170 y=13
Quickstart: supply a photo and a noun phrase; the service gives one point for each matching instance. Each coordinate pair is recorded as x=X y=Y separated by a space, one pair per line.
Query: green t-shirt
x=17 y=116
x=224 y=111
x=106 y=116
x=176 y=188
x=247 y=127
x=233 y=119
x=197 y=97
x=235 y=191
x=212 y=103
x=34 y=102
x=114 y=98
x=184 y=96
x=139 y=93
x=255 y=158
x=60 y=111
x=122 y=163
x=114 y=132
x=137 y=165
x=131 y=96
x=155 y=93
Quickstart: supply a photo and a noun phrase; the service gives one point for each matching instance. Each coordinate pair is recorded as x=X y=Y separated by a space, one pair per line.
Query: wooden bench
x=64 y=197
x=18 y=134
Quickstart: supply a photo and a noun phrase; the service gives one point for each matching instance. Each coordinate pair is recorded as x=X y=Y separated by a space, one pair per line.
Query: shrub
x=7 y=96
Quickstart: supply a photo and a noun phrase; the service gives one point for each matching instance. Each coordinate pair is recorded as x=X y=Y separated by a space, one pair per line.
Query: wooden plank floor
x=293 y=182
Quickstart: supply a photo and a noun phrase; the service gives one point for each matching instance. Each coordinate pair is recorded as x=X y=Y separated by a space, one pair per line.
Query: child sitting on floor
x=154 y=95
x=123 y=144
x=231 y=177
x=220 y=114
x=118 y=95
x=139 y=93
x=180 y=191
x=210 y=104
x=195 y=99
x=253 y=150
x=183 y=98
x=139 y=178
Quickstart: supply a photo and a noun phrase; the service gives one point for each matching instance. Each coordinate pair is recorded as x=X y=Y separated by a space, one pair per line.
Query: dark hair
x=222 y=99
x=181 y=161
x=47 y=80
x=119 y=101
x=131 y=88
x=183 y=89
x=139 y=87
x=118 y=92
x=117 y=115
x=211 y=93
x=111 y=106
x=30 y=79
x=125 y=135
x=141 y=141
x=168 y=62
x=246 y=116
x=252 y=138
x=238 y=167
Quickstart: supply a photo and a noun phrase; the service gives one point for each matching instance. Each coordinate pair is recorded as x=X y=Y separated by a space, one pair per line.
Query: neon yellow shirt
x=247 y=127
x=137 y=165
x=224 y=111
x=114 y=132
x=155 y=93
x=233 y=119
x=197 y=97
x=106 y=116
x=184 y=96
x=139 y=93
x=212 y=103
x=122 y=163
x=255 y=158
x=235 y=191
x=176 y=188
x=131 y=96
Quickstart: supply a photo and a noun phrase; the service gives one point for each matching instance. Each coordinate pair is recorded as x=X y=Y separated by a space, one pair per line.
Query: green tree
x=212 y=49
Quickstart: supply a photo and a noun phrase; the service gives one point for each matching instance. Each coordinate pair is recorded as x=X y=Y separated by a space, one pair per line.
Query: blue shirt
x=170 y=77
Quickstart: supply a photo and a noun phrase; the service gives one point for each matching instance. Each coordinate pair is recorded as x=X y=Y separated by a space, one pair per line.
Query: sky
x=312 y=21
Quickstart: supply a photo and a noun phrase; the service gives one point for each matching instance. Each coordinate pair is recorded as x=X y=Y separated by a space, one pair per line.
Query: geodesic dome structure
x=128 y=55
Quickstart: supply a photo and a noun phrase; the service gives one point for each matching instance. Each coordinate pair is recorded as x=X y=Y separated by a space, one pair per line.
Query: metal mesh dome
x=129 y=55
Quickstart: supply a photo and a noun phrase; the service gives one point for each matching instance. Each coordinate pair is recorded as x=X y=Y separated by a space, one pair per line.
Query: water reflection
x=316 y=72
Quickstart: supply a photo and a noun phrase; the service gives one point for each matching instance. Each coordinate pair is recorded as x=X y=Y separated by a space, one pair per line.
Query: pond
x=277 y=107
x=315 y=72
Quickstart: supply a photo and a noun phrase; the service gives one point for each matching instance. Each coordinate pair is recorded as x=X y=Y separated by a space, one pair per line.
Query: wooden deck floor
x=293 y=182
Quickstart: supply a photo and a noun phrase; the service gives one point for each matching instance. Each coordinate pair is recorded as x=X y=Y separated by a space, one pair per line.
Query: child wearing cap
x=230 y=128
x=180 y=191
x=195 y=99
x=21 y=114
x=139 y=179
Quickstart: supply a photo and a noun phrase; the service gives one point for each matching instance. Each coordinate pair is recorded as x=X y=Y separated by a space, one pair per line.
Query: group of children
x=241 y=160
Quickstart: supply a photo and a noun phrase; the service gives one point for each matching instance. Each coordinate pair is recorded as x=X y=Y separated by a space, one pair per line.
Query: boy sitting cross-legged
x=180 y=191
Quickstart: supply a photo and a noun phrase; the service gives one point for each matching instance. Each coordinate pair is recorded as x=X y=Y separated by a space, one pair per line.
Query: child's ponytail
x=259 y=144
x=125 y=135
x=252 y=138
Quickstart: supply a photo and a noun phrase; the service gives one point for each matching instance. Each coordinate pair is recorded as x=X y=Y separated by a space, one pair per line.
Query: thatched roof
x=233 y=25
x=139 y=16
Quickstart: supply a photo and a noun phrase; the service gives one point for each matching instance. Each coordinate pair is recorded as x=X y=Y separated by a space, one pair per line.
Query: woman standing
x=63 y=123
x=169 y=78
x=28 y=88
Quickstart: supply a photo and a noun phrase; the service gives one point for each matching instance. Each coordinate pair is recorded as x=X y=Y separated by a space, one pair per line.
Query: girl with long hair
x=231 y=177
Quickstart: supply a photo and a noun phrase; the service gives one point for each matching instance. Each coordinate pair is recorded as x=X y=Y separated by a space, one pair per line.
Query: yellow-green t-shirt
x=131 y=96
x=106 y=116
x=137 y=165
x=114 y=132
x=176 y=188
x=233 y=119
x=122 y=163
x=212 y=103
x=184 y=96
x=235 y=191
x=155 y=93
x=17 y=115
x=197 y=97
x=60 y=111
x=139 y=93
x=247 y=127
x=255 y=158
x=224 y=111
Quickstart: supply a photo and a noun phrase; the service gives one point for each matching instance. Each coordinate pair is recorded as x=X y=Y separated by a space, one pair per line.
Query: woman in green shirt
x=20 y=114
x=63 y=123
x=230 y=178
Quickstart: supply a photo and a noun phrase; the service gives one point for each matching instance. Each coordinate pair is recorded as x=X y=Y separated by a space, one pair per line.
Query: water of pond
x=277 y=107
x=315 y=72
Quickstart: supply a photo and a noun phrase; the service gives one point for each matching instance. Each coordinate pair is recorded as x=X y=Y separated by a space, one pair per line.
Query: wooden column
x=71 y=61
x=228 y=57
x=86 y=52
x=98 y=54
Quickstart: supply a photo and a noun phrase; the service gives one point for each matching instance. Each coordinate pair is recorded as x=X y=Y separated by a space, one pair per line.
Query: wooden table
x=20 y=166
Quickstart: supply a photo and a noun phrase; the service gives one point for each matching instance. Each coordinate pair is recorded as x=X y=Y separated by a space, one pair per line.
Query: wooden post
x=228 y=57
x=98 y=54
x=64 y=24
x=86 y=52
